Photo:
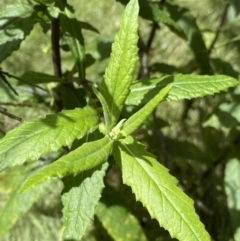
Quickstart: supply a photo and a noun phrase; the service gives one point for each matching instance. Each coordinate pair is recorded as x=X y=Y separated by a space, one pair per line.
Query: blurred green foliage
x=197 y=140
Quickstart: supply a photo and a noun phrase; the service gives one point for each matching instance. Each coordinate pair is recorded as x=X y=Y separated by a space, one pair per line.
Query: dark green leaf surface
x=152 y=11
x=16 y=24
x=37 y=137
x=73 y=35
x=119 y=73
x=158 y=191
x=86 y=157
x=184 y=87
x=80 y=203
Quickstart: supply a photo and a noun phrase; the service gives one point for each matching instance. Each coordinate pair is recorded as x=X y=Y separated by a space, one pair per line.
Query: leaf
x=120 y=224
x=183 y=18
x=37 y=137
x=73 y=35
x=151 y=11
x=158 y=191
x=16 y=23
x=16 y=203
x=85 y=157
x=140 y=116
x=40 y=78
x=232 y=190
x=24 y=93
x=184 y=87
x=223 y=67
x=81 y=201
x=224 y=117
x=106 y=111
x=118 y=75
x=87 y=26
x=187 y=151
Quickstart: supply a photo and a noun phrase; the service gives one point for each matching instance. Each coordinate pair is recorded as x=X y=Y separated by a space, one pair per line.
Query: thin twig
x=22 y=80
x=144 y=68
x=56 y=57
x=16 y=104
x=2 y=76
x=5 y=112
x=221 y=24
x=189 y=103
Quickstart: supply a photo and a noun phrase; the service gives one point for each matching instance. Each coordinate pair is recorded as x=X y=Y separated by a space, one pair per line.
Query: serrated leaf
x=37 y=137
x=80 y=203
x=151 y=11
x=85 y=157
x=16 y=23
x=73 y=35
x=232 y=190
x=158 y=191
x=140 y=116
x=119 y=73
x=183 y=18
x=184 y=87
x=40 y=78
x=120 y=224
x=17 y=203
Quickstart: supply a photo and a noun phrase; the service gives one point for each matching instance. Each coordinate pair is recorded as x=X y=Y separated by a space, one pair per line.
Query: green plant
x=84 y=166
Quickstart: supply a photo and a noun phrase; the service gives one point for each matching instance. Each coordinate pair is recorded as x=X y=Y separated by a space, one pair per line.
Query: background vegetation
x=197 y=140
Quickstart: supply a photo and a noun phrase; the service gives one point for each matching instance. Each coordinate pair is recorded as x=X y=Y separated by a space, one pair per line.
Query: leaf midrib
x=19 y=140
x=182 y=217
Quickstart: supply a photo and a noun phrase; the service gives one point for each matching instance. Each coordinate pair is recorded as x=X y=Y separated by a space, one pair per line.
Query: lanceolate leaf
x=73 y=34
x=80 y=202
x=118 y=75
x=37 y=137
x=39 y=78
x=184 y=87
x=16 y=22
x=16 y=203
x=139 y=117
x=158 y=191
x=87 y=156
x=120 y=224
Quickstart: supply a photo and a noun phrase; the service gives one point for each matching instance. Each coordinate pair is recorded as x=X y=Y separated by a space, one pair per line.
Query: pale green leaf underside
x=119 y=73
x=139 y=117
x=17 y=203
x=232 y=190
x=37 y=137
x=184 y=87
x=80 y=203
x=86 y=157
x=158 y=191
x=16 y=23
x=120 y=224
